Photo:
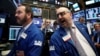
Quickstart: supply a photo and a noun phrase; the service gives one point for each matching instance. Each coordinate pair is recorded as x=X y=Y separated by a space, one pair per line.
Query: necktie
x=76 y=42
x=98 y=37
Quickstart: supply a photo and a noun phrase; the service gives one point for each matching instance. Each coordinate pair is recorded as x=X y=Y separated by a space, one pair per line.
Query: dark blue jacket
x=59 y=47
x=31 y=45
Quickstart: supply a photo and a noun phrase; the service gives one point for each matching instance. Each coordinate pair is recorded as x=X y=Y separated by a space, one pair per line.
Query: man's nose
x=16 y=15
x=59 y=16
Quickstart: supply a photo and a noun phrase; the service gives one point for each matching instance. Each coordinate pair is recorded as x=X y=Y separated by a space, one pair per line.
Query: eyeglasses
x=47 y=22
x=62 y=13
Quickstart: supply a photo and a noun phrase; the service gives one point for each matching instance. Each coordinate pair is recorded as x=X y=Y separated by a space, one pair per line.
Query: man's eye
x=62 y=13
x=18 y=12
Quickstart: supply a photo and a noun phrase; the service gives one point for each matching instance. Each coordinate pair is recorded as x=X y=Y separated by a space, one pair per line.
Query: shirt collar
x=27 y=26
x=73 y=25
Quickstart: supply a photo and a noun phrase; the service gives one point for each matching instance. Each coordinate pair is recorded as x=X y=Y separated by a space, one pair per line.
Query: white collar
x=70 y=28
x=27 y=26
x=73 y=25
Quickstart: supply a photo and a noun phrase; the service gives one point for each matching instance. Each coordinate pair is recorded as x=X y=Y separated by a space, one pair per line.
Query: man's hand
x=97 y=45
x=20 y=53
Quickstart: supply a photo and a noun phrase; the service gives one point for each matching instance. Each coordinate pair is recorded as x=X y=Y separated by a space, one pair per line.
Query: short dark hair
x=28 y=9
x=55 y=23
x=81 y=18
x=96 y=24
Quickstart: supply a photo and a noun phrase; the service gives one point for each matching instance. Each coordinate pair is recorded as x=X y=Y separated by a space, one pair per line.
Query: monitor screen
x=38 y=21
x=17 y=2
x=78 y=14
x=76 y=7
x=13 y=32
x=37 y=11
x=2 y=19
x=93 y=13
x=97 y=0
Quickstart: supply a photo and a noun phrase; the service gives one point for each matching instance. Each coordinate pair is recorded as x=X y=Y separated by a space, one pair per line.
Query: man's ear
x=70 y=14
x=28 y=15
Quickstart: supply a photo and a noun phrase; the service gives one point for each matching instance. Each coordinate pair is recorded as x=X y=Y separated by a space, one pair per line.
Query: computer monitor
x=93 y=13
x=37 y=11
x=97 y=1
x=78 y=14
x=13 y=32
x=38 y=21
x=2 y=19
x=76 y=7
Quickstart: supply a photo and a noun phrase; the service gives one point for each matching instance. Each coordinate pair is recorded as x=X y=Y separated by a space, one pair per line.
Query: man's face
x=97 y=27
x=64 y=17
x=21 y=15
x=47 y=22
x=82 y=20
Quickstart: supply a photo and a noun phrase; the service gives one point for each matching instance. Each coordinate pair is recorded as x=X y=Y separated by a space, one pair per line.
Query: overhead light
x=70 y=2
x=35 y=2
x=55 y=1
x=43 y=0
x=58 y=3
x=46 y=0
x=89 y=2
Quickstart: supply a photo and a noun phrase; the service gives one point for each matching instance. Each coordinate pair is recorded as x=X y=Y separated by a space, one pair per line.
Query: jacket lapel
x=62 y=33
x=86 y=36
x=26 y=32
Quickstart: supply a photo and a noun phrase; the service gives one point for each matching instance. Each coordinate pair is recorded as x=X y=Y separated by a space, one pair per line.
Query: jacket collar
x=62 y=31
x=86 y=35
x=29 y=29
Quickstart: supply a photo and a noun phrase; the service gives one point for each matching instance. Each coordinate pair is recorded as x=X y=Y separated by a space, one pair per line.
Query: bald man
x=70 y=39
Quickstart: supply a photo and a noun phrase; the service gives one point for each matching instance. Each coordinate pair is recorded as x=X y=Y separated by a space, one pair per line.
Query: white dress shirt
x=81 y=43
x=23 y=29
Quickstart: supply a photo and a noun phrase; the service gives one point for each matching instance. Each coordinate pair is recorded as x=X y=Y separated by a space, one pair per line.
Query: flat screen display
x=76 y=7
x=38 y=21
x=37 y=11
x=13 y=32
x=93 y=13
x=78 y=14
x=97 y=0
x=2 y=19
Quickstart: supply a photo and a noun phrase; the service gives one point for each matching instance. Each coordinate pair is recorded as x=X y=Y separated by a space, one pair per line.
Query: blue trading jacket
x=31 y=45
x=59 y=47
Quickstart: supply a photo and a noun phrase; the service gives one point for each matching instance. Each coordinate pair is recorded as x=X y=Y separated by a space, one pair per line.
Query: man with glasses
x=70 y=39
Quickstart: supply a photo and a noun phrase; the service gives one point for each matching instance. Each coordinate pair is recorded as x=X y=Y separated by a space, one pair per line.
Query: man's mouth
x=62 y=21
x=17 y=17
